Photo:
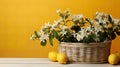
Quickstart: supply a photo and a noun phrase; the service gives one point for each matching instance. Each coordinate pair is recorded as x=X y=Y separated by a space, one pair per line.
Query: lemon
x=118 y=55
x=52 y=55
x=61 y=58
x=113 y=59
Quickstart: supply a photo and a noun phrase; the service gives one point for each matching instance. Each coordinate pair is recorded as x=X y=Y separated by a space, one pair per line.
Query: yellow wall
x=19 y=18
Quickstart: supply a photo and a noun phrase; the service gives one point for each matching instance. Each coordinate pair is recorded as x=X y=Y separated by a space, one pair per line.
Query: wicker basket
x=86 y=53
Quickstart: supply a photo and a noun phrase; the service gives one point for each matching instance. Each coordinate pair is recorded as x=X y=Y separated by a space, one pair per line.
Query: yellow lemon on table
x=113 y=59
x=118 y=55
x=52 y=55
x=61 y=58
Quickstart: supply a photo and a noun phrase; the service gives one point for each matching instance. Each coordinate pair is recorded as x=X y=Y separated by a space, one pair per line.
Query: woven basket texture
x=86 y=53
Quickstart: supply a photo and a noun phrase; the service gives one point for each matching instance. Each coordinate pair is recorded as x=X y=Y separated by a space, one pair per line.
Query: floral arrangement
x=77 y=29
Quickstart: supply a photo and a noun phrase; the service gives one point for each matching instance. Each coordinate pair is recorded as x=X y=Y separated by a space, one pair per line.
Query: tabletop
x=43 y=62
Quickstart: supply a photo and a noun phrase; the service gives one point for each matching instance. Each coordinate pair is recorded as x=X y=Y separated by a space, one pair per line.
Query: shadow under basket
x=86 y=52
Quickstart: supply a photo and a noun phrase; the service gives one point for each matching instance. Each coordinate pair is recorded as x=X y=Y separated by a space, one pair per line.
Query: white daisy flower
x=77 y=17
x=47 y=25
x=116 y=21
x=63 y=27
x=60 y=20
x=55 y=24
x=106 y=26
x=32 y=37
x=44 y=37
x=58 y=11
x=63 y=32
x=41 y=31
x=82 y=32
x=79 y=37
x=74 y=34
x=99 y=15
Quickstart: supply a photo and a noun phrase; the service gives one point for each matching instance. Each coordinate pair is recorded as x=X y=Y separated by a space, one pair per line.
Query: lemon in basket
x=61 y=58
x=52 y=55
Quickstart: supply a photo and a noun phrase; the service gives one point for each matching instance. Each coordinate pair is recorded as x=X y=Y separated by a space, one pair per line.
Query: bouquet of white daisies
x=78 y=29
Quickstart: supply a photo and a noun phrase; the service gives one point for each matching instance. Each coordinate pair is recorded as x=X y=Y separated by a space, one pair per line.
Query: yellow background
x=19 y=19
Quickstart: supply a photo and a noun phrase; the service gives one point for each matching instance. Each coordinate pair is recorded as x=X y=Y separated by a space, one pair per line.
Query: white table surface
x=43 y=62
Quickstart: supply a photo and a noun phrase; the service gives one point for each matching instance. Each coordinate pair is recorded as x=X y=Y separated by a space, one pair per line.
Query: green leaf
x=118 y=32
x=93 y=36
x=116 y=28
x=66 y=16
x=82 y=24
x=105 y=34
x=76 y=22
x=112 y=36
x=46 y=30
x=43 y=43
x=36 y=34
x=86 y=40
x=87 y=19
x=109 y=18
x=110 y=30
x=51 y=36
x=102 y=36
x=72 y=39
x=60 y=38
x=76 y=28
x=61 y=15
x=55 y=34
x=68 y=32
